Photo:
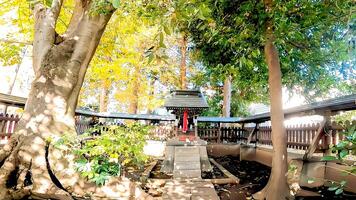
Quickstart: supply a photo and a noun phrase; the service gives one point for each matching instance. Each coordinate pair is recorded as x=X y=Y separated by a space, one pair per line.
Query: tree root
x=269 y=192
x=6 y=150
x=37 y=170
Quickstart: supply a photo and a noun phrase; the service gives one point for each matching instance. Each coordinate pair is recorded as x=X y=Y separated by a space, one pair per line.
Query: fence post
x=315 y=141
x=219 y=133
x=195 y=126
x=328 y=134
x=241 y=132
x=252 y=133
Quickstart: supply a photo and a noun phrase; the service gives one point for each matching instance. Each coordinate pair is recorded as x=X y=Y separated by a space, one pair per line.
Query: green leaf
x=343 y=183
x=342 y=144
x=161 y=39
x=344 y=153
x=333 y=188
x=328 y=158
x=352 y=130
x=339 y=191
x=150 y=58
x=310 y=180
x=116 y=3
x=166 y=29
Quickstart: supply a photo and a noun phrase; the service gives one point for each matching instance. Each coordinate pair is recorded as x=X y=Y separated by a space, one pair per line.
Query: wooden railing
x=162 y=132
x=81 y=124
x=7 y=126
x=224 y=134
x=298 y=136
x=301 y=136
x=210 y=134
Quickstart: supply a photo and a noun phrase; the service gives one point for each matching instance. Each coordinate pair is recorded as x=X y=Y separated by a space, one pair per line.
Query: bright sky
x=23 y=80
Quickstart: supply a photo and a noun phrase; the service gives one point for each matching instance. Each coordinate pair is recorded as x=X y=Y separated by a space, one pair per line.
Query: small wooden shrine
x=186 y=155
x=186 y=106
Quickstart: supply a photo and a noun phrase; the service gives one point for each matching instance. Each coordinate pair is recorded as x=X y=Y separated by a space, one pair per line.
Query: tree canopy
x=314 y=38
x=311 y=36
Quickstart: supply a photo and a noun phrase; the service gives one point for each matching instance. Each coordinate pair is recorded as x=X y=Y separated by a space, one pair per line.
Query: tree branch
x=78 y=13
x=45 y=35
x=56 y=8
x=16 y=42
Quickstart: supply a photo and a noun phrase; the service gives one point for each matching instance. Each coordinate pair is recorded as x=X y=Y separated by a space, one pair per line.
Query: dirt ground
x=254 y=176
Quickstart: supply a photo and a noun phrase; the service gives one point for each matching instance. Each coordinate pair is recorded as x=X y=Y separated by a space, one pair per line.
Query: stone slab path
x=192 y=189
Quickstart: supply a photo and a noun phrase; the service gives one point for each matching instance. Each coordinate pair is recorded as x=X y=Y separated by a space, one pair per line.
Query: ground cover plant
x=109 y=152
x=345 y=148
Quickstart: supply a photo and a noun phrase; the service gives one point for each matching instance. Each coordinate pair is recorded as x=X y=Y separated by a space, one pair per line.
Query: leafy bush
x=344 y=148
x=100 y=157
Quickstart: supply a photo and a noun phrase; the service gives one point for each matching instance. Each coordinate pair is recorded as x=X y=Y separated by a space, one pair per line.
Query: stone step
x=189 y=173
x=187 y=150
x=187 y=158
x=205 y=165
x=186 y=165
x=204 y=160
x=167 y=166
x=189 y=189
x=203 y=191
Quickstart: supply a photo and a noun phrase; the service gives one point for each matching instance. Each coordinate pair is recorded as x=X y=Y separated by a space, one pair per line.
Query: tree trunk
x=151 y=95
x=104 y=97
x=183 y=63
x=227 y=97
x=133 y=109
x=29 y=164
x=277 y=186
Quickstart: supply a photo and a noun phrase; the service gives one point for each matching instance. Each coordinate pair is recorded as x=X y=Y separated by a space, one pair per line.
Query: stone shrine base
x=187 y=158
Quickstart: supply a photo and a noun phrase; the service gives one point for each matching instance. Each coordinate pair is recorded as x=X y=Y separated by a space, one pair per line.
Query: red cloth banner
x=185 y=121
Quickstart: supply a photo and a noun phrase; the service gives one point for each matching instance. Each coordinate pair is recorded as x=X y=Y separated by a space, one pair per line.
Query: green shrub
x=100 y=157
x=345 y=147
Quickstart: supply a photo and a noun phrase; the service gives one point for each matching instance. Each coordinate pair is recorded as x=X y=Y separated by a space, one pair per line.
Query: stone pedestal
x=186 y=158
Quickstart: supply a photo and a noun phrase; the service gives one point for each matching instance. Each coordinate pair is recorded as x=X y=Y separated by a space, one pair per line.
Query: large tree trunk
x=183 y=63
x=277 y=186
x=104 y=97
x=227 y=97
x=29 y=164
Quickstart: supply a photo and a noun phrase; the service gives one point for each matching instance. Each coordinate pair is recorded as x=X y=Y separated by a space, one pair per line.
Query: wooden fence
x=224 y=134
x=162 y=132
x=298 y=136
x=81 y=124
x=7 y=126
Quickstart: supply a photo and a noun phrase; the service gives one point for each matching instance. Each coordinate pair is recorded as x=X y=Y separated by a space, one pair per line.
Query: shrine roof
x=179 y=99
